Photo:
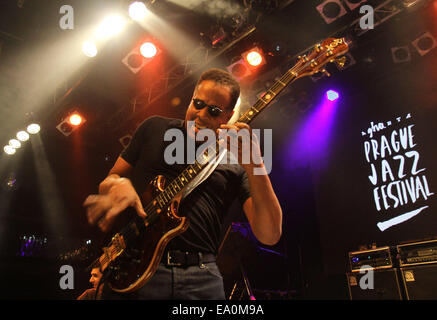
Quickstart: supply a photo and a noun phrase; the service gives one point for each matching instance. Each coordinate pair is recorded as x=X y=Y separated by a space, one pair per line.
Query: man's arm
x=121 y=168
x=116 y=193
x=262 y=208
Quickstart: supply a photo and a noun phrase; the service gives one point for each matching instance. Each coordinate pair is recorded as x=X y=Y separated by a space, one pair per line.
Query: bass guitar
x=133 y=254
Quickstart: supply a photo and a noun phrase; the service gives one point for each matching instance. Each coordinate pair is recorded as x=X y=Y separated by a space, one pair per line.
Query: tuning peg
x=304 y=58
x=340 y=62
x=325 y=72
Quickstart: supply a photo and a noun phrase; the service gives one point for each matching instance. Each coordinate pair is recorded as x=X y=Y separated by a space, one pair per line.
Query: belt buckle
x=172 y=264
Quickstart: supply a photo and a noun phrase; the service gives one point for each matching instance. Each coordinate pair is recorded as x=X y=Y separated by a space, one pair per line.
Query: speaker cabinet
x=420 y=282
x=375 y=285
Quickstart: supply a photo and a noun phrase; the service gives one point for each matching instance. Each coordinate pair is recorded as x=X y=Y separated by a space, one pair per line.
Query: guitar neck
x=268 y=97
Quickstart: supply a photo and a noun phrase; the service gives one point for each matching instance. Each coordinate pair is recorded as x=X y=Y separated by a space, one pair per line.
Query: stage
x=347 y=91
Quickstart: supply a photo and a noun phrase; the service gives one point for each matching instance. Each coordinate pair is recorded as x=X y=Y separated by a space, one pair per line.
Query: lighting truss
x=383 y=12
x=193 y=62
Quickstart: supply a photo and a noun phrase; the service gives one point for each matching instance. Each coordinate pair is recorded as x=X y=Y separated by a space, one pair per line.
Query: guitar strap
x=205 y=173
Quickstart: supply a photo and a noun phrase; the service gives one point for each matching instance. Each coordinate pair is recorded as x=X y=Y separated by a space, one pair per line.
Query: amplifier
x=420 y=282
x=385 y=285
x=378 y=258
x=416 y=253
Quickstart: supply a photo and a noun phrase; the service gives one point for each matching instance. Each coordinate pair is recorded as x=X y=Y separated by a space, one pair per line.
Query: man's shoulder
x=160 y=121
x=88 y=294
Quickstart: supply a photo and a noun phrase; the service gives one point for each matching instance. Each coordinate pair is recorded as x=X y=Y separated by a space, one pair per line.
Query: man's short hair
x=223 y=78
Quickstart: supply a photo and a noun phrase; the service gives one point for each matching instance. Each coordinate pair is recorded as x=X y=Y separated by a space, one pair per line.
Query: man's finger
x=90 y=200
x=93 y=214
x=139 y=208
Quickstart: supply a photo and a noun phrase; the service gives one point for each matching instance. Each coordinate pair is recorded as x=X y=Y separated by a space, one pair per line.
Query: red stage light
x=148 y=50
x=75 y=119
x=143 y=53
x=254 y=58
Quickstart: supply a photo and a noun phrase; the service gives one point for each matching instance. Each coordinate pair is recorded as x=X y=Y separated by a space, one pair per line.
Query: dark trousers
x=180 y=283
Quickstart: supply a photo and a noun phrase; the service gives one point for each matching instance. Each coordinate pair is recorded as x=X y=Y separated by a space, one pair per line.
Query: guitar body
x=139 y=247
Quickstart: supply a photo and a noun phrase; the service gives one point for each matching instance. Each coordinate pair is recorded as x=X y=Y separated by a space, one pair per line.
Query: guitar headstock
x=323 y=53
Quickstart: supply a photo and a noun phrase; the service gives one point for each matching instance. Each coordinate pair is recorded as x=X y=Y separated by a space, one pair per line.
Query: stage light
x=140 y=56
x=9 y=150
x=352 y=4
x=65 y=128
x=125 y=140
x=89 y=49
x=332 y=95
x=70 y=123
x=33 y=128
x=137 y=10
x=401 y=54
x=148 y=50
x=22 y=136
x=110 y=26
x=425 y=43
x=250 y=61
x=239 y=69
x=75 y=119
x=331 y=10
x=14 y=143
x=254 y=57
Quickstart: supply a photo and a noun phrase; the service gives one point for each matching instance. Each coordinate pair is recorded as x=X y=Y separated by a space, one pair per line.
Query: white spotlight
x=22 y=136
x=9 y=150
x=14 y=143
x=137 y=10
x=89 y=49
x=110 y=26
x=33 y=128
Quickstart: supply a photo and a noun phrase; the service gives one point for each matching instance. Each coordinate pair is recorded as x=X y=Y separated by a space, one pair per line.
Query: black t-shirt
x=207 y=205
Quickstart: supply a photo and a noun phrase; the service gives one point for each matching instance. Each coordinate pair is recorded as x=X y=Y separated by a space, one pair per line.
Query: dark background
x=322 y=184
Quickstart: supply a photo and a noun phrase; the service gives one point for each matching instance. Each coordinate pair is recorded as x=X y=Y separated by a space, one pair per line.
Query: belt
x=174 y=258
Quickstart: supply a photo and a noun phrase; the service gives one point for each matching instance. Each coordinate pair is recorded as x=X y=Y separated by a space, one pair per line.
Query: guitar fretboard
x=267 y=97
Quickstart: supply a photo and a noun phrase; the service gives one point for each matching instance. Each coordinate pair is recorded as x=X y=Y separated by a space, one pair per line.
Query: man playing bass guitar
x=188 y=269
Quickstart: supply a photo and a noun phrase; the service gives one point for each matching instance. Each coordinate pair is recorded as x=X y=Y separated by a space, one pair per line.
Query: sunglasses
x=213 y=110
